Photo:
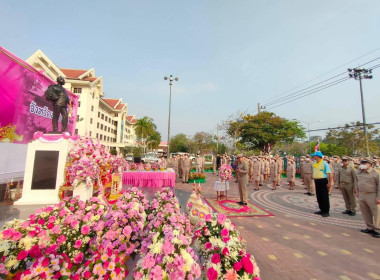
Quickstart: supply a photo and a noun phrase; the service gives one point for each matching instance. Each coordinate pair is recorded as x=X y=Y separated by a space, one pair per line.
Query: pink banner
x=23 y=107
x=149 y=179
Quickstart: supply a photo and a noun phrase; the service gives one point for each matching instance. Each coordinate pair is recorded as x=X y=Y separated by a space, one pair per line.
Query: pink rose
x=212 y=274
x=22 y=255
x=225 y=232
x=87 y=274
x=16 y=236
x=78 y=244
x=52 y=219
x=61 y=239
x=208 y=218
x=79 y=258
x=45 y=262
x=206 y=232
x=41 y=222
x=127 y=231
x=247 y=264
x=50 y=225
x=85 y=230
x=221 y=218
x=225 y=252
x=7 y=234
x=215 y=258
x=208 y=246
x=238 y=266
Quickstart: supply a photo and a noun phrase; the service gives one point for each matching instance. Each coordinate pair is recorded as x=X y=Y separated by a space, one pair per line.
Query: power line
x=300 y=91
x=340 y=127
x=313 y=91
x=328 y=72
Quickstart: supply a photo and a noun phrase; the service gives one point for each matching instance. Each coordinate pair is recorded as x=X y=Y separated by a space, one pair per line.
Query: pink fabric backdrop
x=23 y=104
x=149 y=179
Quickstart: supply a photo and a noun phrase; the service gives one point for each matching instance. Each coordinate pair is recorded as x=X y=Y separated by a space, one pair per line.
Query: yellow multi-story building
x=100 y=118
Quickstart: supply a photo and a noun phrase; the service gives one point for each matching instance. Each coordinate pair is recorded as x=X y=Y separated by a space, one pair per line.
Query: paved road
x=297 y=244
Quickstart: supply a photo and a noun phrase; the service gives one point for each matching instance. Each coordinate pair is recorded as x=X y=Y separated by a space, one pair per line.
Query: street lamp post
x=359 y=74
x=308 y=129
x=171 y=79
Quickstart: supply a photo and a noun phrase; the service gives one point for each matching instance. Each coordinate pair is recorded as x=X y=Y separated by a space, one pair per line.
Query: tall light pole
x=171 y=79
x=359 y=74
x=308 y=129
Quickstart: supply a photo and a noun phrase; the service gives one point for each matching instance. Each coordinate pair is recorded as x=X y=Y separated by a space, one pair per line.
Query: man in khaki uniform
x=243 y=180
x=274 y=173
x=213 y=164
x=256 y=172
x=280 y=165
x=308 y=176
x=336 y=163
x=180 y=163
x=346 y=178
x=198 y=164
x=368 y=188
x=265 y=169
x=250 y=172
x=302 y=163
x=186 y=166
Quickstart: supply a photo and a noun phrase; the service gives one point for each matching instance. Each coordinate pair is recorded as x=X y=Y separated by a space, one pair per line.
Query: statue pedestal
x=84 y=192
x=44 y=169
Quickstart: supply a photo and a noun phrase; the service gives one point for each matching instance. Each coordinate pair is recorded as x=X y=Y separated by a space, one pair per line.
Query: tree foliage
x=257 y=131
x=180 y=143
x=350 y=139
x=145 y=128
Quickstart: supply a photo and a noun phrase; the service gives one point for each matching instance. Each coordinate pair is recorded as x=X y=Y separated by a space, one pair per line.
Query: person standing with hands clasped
x=322 y=177
x=368 y=189
x=242 y=170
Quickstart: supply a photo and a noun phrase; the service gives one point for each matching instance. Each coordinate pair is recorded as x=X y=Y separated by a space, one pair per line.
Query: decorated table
x=221 y=186
x=149 y=178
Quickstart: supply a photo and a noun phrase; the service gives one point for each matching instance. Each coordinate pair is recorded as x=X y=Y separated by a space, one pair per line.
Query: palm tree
x=154 y=140
x=144 y=128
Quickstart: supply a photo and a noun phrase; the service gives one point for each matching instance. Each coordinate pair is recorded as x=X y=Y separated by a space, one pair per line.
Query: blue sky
x=228 y=55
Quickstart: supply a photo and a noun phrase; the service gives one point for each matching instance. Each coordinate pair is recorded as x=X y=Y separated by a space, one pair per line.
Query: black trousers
x=59 y=110
x=322 y=194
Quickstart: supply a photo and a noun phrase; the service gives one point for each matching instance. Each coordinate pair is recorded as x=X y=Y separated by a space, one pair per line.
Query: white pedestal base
x=84 y=192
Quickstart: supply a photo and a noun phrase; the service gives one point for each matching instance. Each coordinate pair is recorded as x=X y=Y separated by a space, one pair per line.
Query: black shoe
x=244 y=203
x=325 y=215
x=346 y=212
x=318 y=213
x=376 y=234
x=260 y=184
x=352 y=213
x=240 y=202
x=311 y=194
x=368 y=231
x=307 y=193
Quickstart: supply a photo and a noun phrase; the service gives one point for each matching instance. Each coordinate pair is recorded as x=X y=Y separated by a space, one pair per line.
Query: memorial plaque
x=45 y=170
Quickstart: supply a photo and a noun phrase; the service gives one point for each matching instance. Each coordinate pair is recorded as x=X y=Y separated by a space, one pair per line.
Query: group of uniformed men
x=182 y=165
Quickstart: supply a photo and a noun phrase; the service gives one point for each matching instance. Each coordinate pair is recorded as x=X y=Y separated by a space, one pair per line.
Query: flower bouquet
x=147 y=166
x=162 y=165
x=219 y=242
x=155 y=166
x=140 y=167
x=83 y=170
x=225 y=172
x=197 y=176
x=133 y=166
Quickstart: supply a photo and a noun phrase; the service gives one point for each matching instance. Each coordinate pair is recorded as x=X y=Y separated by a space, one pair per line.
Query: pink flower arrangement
x=147 y=166
x=225 y=172
x=219 y=242
x=83 y=169
x=155 y=166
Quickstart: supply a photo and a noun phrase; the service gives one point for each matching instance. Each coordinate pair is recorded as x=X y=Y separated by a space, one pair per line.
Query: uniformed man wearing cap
x=346 y=179
x=308 y=176
x=256 y=172
x=368 y=188
x=323 y=178
x=242 y=170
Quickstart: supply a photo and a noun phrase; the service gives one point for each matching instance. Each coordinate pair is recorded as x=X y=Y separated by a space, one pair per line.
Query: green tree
x=144 y=128
x=267 y=128
x=203 y=142
x=154 y=140
x=351 y=139
x=179 y=143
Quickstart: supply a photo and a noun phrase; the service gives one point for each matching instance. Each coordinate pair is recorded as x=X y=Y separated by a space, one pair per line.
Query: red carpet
x=232 y=209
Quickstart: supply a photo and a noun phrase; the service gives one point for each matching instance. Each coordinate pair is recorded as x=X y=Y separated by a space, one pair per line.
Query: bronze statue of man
x=58 y=96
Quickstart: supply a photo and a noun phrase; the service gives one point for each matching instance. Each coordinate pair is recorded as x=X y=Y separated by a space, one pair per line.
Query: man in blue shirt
x=322 y=177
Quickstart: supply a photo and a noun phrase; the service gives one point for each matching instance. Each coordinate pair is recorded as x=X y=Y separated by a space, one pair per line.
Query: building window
x=78 y=103
x=90 y=120
x=92 y=108
x=101 y=126
x=108 y=129
x=76 y=131
x=77 y=90
x=97 y=135
x=106 y=119
x=101 y=137
x=102 y=116
x=98 y=114
x=77 y=118
x=97 y=126
x=90 y=133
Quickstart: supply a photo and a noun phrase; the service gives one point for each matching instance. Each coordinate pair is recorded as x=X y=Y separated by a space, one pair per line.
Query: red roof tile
x=73 y=73
x=120 y=106
x=130 y=119
x=91 y=79
x=111 y=102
